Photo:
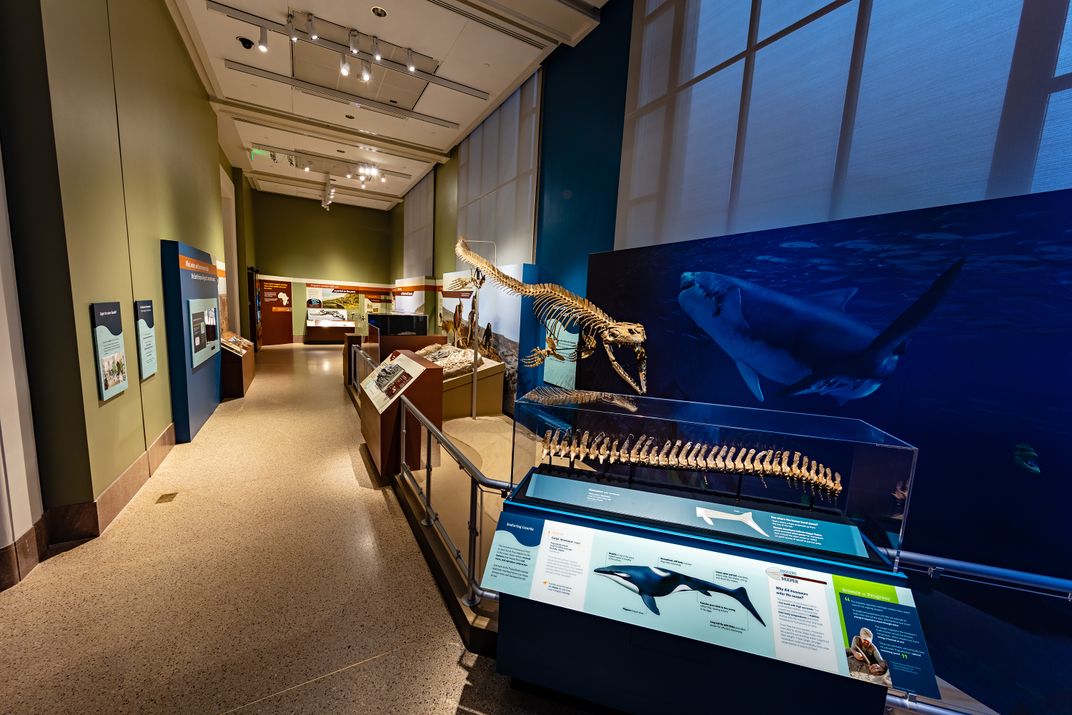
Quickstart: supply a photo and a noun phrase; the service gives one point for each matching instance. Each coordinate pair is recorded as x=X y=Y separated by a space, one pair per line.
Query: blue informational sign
x=190 y=289
x=768 y=609
x=778 y=529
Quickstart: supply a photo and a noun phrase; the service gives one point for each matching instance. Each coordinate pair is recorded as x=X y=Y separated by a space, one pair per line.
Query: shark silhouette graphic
x=810 y=346
x=651 y=583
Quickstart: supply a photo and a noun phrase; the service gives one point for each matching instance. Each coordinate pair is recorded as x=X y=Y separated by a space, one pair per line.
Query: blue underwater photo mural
x=948 y=327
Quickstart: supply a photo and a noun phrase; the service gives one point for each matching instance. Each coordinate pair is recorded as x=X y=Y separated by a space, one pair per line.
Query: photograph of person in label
x=865 y=660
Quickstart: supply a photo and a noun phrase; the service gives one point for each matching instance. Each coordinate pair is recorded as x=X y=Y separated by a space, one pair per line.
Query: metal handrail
x=938 y=567
x=477 y=479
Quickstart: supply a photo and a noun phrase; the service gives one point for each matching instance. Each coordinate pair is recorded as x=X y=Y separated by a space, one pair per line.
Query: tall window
x=746 y=115
x=497 y=177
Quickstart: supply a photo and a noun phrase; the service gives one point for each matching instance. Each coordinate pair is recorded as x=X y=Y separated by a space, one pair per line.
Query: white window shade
x=419 y=217
x=497 y=178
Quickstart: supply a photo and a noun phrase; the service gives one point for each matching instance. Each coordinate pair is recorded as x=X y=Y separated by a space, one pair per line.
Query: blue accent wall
x=583 y=116
x=195 y=391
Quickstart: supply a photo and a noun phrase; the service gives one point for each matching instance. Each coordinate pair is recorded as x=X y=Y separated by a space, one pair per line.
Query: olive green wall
x=296 y=237
x=445 y=228
x=247 y=252
x=398 y=237
x=39 y=245
x=135 y=160
x=170 y=151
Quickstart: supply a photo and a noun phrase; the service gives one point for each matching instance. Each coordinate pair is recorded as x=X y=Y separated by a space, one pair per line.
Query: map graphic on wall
x=146 y=324
x=950 y=327
x=204 y=329
x=110 y=351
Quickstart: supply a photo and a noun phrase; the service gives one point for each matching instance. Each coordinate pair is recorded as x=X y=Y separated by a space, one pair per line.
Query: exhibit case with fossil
x=809 y=486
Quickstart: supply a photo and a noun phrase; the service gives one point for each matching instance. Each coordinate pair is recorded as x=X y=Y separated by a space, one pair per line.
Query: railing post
x=428 y=513
x=473 y=598
x=402 y=448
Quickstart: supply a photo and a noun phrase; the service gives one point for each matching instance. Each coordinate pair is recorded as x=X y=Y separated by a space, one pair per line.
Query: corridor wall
x=113 y=148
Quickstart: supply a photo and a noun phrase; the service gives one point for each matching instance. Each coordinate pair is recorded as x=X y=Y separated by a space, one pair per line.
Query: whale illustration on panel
x=650 y=582
x=808 y=345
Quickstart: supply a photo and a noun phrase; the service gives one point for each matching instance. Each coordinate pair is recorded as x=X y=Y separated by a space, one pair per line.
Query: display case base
x=638 y=670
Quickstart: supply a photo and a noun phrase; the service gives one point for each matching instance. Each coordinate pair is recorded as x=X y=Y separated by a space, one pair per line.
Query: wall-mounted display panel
x=204 y=329
x=109 y=348
x=146 y=323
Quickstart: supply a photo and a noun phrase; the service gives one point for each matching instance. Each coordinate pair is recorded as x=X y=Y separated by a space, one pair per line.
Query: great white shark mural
x=810 y=346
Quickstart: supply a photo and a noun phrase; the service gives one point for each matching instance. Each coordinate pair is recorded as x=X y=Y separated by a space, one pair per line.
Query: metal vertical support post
x=429 y=515
x=402 y=449
x=473 y=598
x=474 y=344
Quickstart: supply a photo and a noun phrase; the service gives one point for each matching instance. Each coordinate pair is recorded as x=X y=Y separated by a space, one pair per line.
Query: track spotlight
x=376 y=54
x=262 y=43
x=310 y=27
x=306 y=167
x=354 y=39
x=290 y=28
x=344 y=65
x=409 y=61
x=383 y=179
x=366 y=71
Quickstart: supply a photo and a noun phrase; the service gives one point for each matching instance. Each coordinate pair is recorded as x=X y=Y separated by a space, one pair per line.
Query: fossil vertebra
x=693 y=456
x=558 y=309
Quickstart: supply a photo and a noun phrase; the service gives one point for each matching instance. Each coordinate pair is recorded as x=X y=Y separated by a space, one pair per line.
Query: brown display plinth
x=325 y=335
x=236 y=373
x=458 y=392
x=382 y=432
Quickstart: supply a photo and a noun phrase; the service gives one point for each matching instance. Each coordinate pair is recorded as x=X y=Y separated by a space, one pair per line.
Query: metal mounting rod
x=937 y=567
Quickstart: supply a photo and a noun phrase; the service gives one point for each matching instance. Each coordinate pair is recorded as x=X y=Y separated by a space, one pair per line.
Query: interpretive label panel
x=767 y=526
x=146 y=323
x=388 y=381
x=110 y=350
x=204 y=329
x=787 y=613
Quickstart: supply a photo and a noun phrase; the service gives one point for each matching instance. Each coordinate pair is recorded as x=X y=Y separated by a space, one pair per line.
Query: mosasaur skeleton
x=558 y=309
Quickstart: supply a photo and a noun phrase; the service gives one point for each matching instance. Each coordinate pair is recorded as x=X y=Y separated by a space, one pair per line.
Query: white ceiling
x=291 y=105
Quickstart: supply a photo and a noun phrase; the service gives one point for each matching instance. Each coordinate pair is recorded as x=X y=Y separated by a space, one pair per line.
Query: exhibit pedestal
x=326 y=334
x=382 y=431
x=236 y=373
x=458 y=392
x=638 y=670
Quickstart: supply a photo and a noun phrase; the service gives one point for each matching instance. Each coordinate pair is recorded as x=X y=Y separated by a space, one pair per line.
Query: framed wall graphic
x=146 y=328
x=110 y=351
x=204 y=329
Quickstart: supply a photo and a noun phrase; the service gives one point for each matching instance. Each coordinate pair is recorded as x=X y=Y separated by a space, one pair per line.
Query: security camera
x=246 y=42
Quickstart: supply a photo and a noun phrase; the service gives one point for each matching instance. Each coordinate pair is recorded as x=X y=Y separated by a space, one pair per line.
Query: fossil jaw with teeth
x=691 y=456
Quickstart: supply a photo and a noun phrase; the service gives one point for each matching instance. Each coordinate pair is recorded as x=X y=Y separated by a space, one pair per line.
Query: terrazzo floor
x=279 y=579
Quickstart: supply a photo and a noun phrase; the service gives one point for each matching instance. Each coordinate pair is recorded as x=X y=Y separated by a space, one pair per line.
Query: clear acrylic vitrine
x=798 y=483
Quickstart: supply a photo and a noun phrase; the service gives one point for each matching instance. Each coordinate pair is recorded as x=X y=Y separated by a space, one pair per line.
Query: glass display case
x=399 y=323
x=797 y=483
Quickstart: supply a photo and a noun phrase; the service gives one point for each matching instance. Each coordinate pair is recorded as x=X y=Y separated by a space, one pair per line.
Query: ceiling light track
x=336 y=95
x=269 y=118
x=333 y=160
x=318 y=185
x=310 y=22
